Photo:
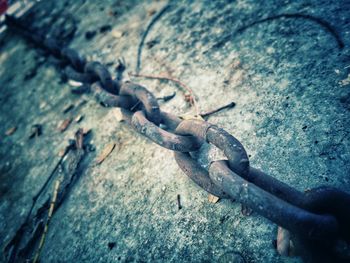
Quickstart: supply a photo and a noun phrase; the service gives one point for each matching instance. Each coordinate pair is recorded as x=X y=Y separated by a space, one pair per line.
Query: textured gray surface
x=291 y=85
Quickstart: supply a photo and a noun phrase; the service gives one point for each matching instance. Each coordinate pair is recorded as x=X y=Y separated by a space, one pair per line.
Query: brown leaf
x=74 y=83
x=11 y=131
x=43 y=105
x=283 y=241
x=151 y=12
x=78 y=118
x=68 y=108
x=213 y=199
x=105 y=152
x=116 y=33
x=62 y=152
x=191 y=116
x=64 y=125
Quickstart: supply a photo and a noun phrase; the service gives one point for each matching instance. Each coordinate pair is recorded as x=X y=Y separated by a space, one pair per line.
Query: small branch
x=206 y=114
x=179 y=206
x=168 y=97
x=35 y=198
x=144 y=35
x=52 y=206
x=178 y=82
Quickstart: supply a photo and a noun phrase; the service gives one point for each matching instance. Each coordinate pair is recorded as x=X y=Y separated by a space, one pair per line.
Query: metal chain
x=321 y=214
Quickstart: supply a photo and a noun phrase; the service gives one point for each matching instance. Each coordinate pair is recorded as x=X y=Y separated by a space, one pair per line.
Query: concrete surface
x=288 y=77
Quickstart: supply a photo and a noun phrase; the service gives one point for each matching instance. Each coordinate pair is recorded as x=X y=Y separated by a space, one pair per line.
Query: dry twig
x=43 y=236
x=192 y=98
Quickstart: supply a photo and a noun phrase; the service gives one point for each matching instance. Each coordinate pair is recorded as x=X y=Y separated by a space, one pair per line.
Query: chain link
x=291 y=217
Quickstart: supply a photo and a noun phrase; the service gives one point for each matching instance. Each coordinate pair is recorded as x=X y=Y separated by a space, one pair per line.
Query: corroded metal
x=110 y=100
x=162 y=137
x=198 y=174
x=284 y=214
x=71 y=73
x=147 y=99
x=232 y=148
x=100 y=73
x=72 y=56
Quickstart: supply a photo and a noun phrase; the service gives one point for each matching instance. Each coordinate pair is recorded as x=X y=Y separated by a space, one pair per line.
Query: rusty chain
x=321 y=215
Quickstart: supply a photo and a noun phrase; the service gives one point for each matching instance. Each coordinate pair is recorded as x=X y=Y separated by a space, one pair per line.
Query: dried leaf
x=43 y=105
x=64 y=125
x=213 y=199
x=62 y=152
x=345 y=81
x=105 y=152
x=74 y=83
x=11 y=131
x=151 y=12
x=116 y=33
x=191 y=116
x=68 y=108
x=283 y=241
x=78 y=118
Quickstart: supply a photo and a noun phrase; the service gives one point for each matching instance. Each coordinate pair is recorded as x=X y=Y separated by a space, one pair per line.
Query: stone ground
x=289 y=78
